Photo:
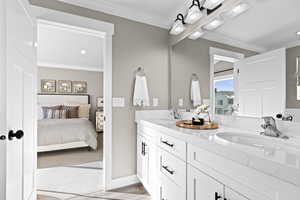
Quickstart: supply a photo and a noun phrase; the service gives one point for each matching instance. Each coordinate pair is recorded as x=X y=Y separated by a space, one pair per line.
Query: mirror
x=193 y=58
x=234 y=81
x=189 y=63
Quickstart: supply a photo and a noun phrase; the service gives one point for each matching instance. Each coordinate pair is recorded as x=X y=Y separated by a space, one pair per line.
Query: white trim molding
x=124 y=181
x=72 y=67
x=108 y=31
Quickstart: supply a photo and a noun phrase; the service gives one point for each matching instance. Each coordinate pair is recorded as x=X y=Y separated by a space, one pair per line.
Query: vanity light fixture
x=194 y=12
x=212 y=4
x=239 y=9
x=298 y=33
x=197 y=34
x=214 y=24
x=178 y=27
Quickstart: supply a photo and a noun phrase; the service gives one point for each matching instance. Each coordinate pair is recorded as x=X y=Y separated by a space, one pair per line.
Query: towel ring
x=195 y=77
x=140 y=72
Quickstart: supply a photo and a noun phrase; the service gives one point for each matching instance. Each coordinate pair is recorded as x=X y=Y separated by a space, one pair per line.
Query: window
x=224 y=95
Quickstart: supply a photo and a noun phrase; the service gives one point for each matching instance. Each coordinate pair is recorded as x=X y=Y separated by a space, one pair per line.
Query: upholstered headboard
x=60 y=99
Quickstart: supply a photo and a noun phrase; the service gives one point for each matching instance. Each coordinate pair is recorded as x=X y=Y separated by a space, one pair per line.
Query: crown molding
x=122 y=11
x=293 y=44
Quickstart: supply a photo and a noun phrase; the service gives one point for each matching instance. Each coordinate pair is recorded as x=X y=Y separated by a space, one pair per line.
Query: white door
x=201 y=186
x=18 y=98
x=142 y=160
x=260 y=89
x=154 y=166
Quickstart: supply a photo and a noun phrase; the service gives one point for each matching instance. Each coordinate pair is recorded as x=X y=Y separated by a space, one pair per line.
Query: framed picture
x=64 y=86
x=79 y=87
x=48 y=86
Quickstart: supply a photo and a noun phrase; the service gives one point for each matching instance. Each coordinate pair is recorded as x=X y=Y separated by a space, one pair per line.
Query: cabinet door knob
x=217 y=196
x=19 y=134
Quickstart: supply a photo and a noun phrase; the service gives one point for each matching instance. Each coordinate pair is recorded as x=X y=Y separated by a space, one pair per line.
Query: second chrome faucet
x=270 y=128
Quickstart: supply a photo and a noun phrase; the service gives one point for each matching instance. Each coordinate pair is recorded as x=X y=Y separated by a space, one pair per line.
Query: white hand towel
x=195 y=93
x=141 y=95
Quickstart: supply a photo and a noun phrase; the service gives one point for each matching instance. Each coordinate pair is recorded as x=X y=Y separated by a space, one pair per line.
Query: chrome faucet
x=176 y=113
x=271 y=129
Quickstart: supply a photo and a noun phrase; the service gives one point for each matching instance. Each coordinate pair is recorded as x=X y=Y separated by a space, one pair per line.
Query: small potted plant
x=200 y=113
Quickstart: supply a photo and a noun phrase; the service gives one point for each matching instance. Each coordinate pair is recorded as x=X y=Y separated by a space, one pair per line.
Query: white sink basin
x=256 y=141
x=260 y=142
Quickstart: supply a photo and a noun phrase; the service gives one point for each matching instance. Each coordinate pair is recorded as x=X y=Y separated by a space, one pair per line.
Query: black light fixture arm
x=180 y=17
x=196 y=3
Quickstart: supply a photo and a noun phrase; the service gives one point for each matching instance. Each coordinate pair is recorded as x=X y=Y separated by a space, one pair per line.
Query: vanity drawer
x=173 y=145
x=173 y=168
x=170 y=191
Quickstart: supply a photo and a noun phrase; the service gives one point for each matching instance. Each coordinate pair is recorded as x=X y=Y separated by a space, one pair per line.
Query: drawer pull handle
x=168 y=170
x=167 y=143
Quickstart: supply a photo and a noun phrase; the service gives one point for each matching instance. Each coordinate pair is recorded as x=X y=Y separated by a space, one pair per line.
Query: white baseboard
x=123 y=182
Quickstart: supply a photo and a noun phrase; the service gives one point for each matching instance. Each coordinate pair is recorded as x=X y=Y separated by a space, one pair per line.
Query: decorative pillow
x=46 y=111
x=40 y=113
x=59 y=114
x=72 y=111
x=84 y=111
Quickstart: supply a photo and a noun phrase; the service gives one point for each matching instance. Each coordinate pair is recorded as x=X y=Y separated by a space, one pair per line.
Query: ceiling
x=269 y=24
x=60 y=46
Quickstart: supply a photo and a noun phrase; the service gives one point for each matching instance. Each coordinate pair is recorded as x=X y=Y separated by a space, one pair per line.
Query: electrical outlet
x=180 y=102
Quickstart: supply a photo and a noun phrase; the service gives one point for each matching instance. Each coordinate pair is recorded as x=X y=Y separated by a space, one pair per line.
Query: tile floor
x=81 y=182
x=120 y=194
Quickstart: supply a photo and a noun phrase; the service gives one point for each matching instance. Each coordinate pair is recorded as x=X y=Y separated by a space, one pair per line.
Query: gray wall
x=192 y=56
x=291 y=90
x=94 y=82
x=134 y=44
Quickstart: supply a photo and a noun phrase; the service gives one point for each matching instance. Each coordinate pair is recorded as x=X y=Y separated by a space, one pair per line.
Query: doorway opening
x=70 y=110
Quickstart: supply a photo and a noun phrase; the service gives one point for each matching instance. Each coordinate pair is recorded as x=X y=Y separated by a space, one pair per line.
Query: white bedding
x=62 y=131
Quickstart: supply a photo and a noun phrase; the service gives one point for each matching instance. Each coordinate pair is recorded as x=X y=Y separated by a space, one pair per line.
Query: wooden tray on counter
x=188 y=124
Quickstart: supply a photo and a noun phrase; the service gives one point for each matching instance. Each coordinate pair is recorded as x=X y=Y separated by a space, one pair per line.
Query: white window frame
x=221 y=53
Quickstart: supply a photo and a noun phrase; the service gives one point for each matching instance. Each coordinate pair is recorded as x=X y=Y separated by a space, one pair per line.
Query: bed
x=60 y=134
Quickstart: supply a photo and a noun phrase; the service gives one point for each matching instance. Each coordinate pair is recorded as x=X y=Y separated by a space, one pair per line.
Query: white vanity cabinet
x=173 y=166
x=202 y=186
x=161 y=164
x=232 y=195
x=142 y=160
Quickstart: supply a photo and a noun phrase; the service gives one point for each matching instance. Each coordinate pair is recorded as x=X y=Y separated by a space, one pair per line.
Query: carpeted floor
x=71 y=156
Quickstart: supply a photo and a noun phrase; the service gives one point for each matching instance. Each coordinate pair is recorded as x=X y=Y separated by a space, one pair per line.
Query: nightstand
x=99 y=121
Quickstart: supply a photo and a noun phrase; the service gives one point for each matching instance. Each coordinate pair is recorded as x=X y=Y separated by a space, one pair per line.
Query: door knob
x=2 y=137
x=19 y=134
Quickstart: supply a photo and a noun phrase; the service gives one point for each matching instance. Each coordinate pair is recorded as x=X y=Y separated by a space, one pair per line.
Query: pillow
x=84 y=111
x=40 y=113
x=72 y=111
x=59 y=114
x=46 y=111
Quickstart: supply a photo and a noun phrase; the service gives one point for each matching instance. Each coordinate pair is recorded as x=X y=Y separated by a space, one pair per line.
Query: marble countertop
x=281 y=160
